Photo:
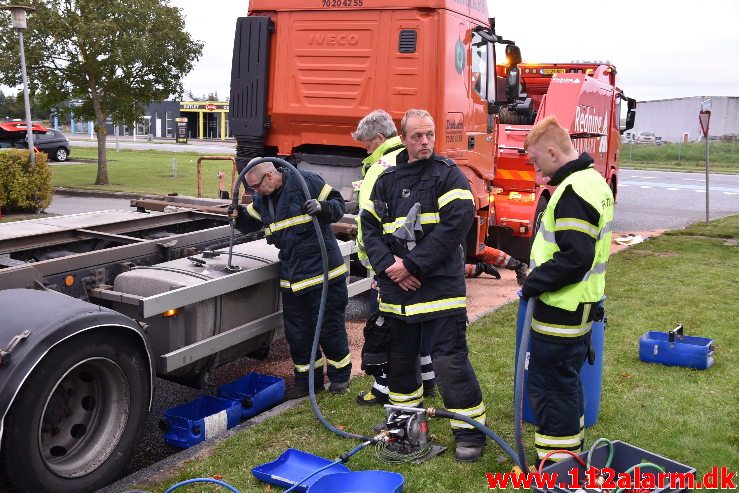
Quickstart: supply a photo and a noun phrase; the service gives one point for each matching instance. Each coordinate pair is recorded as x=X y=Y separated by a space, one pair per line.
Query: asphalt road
x=647 y=200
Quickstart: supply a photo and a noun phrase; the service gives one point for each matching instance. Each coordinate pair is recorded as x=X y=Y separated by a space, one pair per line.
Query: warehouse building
x=671 y=119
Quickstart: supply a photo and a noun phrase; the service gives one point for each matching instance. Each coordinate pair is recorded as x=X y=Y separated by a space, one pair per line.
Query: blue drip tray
x=360 y=482
x=292 y=466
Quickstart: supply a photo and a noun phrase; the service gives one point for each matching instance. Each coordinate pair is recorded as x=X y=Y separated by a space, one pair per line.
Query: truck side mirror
x=513 y=84
x=513 y=55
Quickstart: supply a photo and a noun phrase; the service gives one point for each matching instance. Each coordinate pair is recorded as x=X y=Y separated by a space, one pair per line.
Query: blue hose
x=518 y=389
x=202 y=480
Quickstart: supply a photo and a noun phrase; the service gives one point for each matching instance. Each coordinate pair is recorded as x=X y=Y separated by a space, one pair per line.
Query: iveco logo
x=323 y=39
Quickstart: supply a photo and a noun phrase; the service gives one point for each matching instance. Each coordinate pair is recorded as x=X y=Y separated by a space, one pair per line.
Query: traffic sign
x=704 y=117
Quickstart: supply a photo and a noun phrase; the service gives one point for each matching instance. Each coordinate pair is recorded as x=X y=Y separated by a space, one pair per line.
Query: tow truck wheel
x=77 y=419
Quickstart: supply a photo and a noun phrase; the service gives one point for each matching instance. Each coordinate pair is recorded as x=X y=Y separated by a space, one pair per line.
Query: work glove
x=520 y=268
x=233 y=211
x=312 y=207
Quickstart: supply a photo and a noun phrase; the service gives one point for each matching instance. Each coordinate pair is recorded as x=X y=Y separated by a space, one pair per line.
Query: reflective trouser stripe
x=427 y=307
x=324 y=192
x=412 y=399
x=312 y=281
x=477 y=413
x=305 y=368
x=560 y=330
x=340 y=364
x=545 y=444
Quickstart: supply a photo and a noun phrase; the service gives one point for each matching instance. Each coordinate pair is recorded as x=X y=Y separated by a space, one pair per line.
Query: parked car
x=53 y=143
x=646 y=138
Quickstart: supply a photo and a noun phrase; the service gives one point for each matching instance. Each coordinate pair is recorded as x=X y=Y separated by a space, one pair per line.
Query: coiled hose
x=324 y=287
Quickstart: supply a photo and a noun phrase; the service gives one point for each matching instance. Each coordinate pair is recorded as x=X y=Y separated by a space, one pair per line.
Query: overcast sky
x=662 y=49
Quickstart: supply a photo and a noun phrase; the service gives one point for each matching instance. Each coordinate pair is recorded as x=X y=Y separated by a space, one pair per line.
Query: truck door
x=482 y=93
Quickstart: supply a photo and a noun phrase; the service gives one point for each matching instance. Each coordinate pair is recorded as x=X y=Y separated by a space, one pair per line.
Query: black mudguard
x=50 y=318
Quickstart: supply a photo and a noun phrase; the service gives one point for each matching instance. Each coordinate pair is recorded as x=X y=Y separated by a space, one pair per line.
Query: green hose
x=643 y=465
x=595 y=445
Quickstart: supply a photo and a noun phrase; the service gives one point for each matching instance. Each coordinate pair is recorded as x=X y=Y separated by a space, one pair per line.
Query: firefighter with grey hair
x=378 y=134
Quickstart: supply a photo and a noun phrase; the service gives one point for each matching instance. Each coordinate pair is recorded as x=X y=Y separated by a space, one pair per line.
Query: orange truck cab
x=305 y=72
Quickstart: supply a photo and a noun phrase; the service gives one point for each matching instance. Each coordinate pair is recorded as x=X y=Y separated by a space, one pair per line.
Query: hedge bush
x=19 y=183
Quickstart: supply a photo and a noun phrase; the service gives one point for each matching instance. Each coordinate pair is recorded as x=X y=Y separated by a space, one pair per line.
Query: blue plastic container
x=294 y=465
x=255 y=391
x=676 y=350
x=590 y=375
x=203 y=418
x=360 y=482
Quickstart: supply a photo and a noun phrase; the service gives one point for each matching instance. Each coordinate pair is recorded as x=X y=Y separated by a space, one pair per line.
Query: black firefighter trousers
x=556 y=395
x=300 y=312
x=455 y=376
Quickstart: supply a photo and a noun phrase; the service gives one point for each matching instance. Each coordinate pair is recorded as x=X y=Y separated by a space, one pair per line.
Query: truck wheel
x=78 y=417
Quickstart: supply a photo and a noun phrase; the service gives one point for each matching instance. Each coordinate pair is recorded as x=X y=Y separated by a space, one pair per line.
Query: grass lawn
x=723 y=158
x=687 y=415
x=142 y=171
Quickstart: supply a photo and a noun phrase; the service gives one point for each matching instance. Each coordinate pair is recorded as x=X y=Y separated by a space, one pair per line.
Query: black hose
x=443 y=413
x=518 y=389
x=324 y=288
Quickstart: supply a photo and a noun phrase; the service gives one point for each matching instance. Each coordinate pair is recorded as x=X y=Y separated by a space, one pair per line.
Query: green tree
x=115 y=56
x=11 y=107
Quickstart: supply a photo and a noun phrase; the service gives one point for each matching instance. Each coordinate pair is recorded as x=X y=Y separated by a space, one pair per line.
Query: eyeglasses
x=254 y=187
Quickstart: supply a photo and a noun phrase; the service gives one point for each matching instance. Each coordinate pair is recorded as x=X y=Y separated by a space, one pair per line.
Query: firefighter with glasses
x=280 y=208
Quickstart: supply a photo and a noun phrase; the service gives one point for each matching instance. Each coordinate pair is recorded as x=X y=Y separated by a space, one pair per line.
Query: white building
x=671 y=118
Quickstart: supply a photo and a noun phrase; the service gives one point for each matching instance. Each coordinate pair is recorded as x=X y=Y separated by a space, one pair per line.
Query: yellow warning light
x=69 y=280
x=170 y=313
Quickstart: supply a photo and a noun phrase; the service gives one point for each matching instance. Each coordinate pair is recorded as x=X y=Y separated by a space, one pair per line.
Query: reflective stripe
x=547 y=235
x=428 y=307
x=380 y=388
x=253 y=212
x=312 y=281
x=365 y=262
x=291 y=221
x=324 y=192
x=340 y=364
x=370 y=207
x=429 y=375
x=454 y=194
x=426 y=218
x=597 y=269
x=411 y=399
x=560 y=330
x=558 y=442
x=305 y=368
x=574 y=224
x=556 y=457
x=604 y=230
x=425 y=360
x=477 y=413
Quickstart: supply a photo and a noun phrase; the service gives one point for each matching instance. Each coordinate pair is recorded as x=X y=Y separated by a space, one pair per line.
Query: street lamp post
x=18 y=14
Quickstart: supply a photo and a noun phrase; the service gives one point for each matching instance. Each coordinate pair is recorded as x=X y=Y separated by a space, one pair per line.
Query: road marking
x=694 y=179
x=701 y=191
x=683 y=186
x=731 y=193
x=644 y=186
x=640 y=176
x=673 y=189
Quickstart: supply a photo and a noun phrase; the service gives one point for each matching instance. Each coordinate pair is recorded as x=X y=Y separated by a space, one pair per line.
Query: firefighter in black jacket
x=568 y=261
x=279 y=206
x=419 y=213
